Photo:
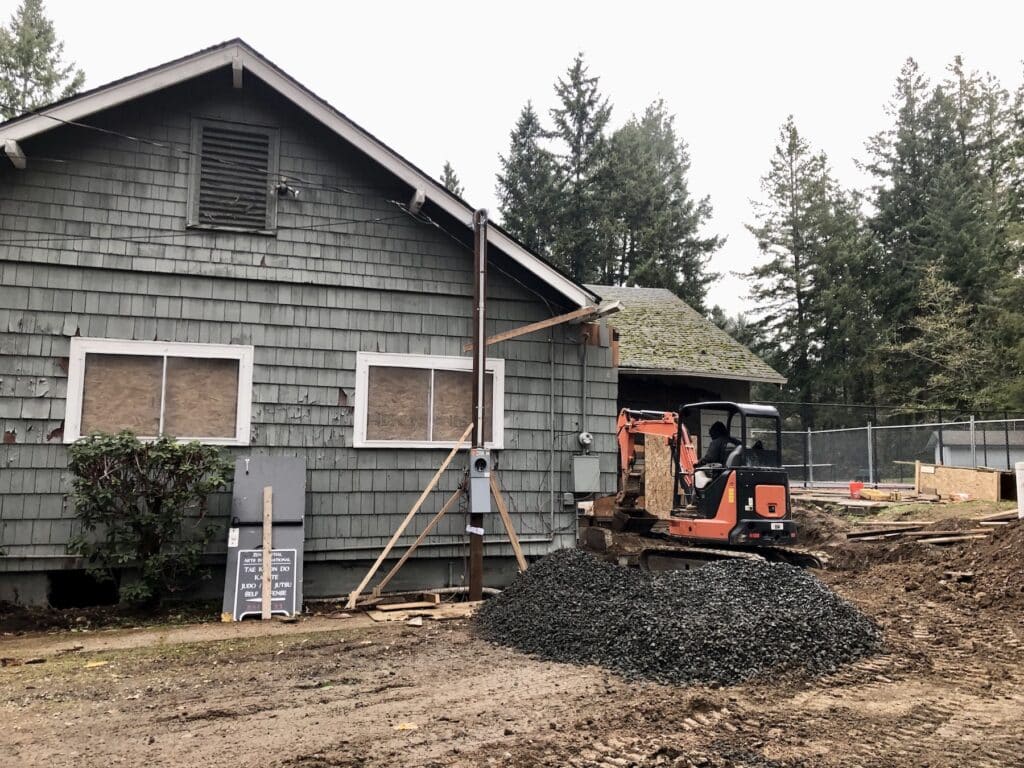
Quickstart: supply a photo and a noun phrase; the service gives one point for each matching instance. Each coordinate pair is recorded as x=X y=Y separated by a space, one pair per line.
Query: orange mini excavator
x=733 y=504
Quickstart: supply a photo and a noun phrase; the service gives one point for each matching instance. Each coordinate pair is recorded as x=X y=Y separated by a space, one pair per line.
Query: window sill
x=420 y=444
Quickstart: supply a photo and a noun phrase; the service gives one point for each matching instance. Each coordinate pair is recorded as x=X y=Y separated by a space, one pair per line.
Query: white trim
x=366 y=360
x=201 y=63
x=81 y=346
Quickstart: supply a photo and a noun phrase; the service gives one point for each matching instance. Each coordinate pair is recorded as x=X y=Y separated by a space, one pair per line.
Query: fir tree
x=527 y=189
x=451 y=180
x=32 y=71
x=651 y=226
x=811 y=304
x=579 y=124
x=957 y=369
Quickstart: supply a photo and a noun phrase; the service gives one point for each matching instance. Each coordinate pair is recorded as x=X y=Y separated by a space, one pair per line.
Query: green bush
x=143 y=505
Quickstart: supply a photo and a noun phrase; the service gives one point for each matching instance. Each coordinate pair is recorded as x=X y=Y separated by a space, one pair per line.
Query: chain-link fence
x=885 y=453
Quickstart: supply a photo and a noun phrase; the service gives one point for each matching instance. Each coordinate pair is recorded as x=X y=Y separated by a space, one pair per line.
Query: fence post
x=871 y=457
x=1006 y=434
x=942 y=449
x=1020 y=490
x=809 y=469
x=974 y=445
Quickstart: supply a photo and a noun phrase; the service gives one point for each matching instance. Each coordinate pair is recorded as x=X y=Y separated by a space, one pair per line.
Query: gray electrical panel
x=586 y=473
x=479 y=481
x=243 y=587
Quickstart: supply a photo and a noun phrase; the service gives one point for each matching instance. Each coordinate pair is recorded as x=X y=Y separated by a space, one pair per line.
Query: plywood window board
x=422 y=401
x=957 y=482
x=188 y=391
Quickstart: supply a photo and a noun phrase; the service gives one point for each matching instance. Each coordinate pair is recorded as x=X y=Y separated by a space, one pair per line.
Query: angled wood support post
x=499 y=502
x=426 y=532
x=354 y=595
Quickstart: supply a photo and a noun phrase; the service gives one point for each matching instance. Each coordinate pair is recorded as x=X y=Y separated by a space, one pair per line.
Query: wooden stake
x=268 y=551
x=354 y=595
x=499 y=502
x=426 y=532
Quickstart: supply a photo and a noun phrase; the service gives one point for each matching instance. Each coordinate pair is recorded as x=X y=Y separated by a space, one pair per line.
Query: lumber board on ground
x=953 y=539
x=894 y=523
x=1010 y=514
x=844 y=501
x=418 y=604
x=907 y=528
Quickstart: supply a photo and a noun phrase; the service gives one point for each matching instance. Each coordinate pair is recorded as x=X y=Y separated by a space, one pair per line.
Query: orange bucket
x=855 y=489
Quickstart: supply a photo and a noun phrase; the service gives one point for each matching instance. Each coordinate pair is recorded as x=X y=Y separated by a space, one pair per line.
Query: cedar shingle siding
x=307 y=298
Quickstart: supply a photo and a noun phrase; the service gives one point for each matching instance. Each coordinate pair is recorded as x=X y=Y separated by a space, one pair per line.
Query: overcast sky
x=446 y=80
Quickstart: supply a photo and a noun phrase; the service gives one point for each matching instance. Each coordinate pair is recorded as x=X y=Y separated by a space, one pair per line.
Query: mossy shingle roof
x=660 y=332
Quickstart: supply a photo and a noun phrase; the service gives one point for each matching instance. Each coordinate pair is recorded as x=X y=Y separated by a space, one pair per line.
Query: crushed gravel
x=725 y=622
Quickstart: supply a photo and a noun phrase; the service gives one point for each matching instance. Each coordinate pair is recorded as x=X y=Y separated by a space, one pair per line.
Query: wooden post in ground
x=476 y=520
x=268 y=552
x=354 y=595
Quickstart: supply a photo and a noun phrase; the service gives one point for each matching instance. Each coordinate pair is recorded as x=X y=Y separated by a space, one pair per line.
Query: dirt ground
x=948 y=690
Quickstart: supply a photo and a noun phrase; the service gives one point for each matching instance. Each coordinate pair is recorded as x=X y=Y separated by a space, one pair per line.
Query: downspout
x=551 y=436
x=583 y=384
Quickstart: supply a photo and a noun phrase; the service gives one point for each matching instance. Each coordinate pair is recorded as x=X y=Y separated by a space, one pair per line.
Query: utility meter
x=479 y=481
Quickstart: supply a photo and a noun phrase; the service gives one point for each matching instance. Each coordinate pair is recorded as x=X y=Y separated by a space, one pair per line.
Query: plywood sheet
x=201 y=398
x=658 y=481
x=957 y=482
x=453 y=404
x=398 y=404
x=122 y=392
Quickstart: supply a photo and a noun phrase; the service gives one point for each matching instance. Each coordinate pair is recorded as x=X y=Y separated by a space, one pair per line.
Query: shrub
x=143 y=505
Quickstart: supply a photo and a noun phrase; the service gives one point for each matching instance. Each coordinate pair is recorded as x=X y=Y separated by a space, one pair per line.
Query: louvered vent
x=234 y=178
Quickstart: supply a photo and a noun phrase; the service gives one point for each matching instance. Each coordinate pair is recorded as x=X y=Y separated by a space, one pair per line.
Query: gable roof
x=242 y=58
x=659 y=333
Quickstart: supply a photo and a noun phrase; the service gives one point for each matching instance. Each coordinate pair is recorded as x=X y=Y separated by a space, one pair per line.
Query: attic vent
x=233 y=167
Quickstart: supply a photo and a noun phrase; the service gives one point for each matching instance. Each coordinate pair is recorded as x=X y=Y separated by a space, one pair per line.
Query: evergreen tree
x=527 y=188
x=650 y=227
x=957 y=369
x=32 y=71
x=579 y=124
x=900 y=160
x=739 y=327
x=811 y=302
x=451 y=180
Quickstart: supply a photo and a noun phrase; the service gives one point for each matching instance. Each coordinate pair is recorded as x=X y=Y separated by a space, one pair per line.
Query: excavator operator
x=722 y=444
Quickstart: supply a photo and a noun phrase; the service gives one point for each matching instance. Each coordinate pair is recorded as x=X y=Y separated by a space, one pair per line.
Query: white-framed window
x=423 y=401
x=189 y=391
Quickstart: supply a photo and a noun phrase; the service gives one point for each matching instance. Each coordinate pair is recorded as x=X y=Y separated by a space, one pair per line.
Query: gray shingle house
x=670 y=354
x=209 y=250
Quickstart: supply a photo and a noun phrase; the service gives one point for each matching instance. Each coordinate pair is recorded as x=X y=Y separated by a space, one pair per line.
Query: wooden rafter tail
x=354 y=595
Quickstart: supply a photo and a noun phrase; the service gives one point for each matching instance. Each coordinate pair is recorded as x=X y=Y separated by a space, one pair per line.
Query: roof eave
x=640 y=371
x=233 y=52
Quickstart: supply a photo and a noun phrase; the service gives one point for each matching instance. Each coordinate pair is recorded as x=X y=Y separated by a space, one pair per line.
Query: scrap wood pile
x=725 y=622
x=951 y=532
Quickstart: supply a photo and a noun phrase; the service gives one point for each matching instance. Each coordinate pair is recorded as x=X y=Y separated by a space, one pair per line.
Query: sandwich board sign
x=249 y=583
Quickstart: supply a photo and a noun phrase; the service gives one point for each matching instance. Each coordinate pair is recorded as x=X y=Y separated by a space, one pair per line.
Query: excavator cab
x=740 y=495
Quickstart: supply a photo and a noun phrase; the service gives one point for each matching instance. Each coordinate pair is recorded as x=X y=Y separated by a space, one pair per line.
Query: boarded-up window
x=189 y=391
x=398 y=404
x=419 y=400
x=453 y=404
x=122 y=392
x=201 y=398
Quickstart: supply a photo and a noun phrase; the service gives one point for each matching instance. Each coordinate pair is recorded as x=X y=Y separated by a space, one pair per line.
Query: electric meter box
x=479 y=481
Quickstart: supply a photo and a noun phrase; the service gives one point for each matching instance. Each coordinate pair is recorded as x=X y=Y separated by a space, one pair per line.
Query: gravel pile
x=725 y=622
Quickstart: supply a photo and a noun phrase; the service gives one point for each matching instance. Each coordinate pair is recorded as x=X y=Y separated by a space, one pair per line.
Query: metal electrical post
x=476 y=519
